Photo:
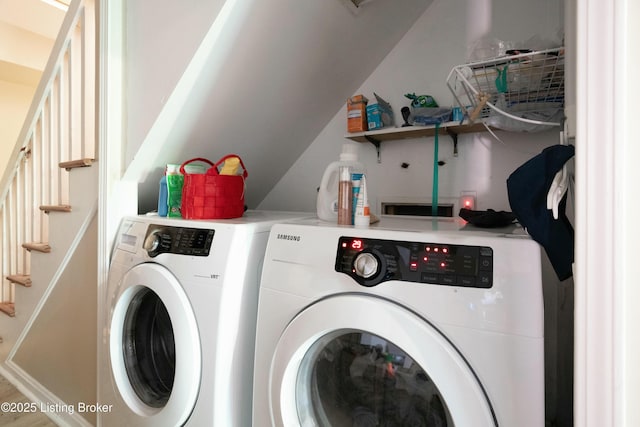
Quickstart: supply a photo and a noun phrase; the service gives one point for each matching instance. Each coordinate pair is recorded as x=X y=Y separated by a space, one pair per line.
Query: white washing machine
x=177 y=325
x=406 y=323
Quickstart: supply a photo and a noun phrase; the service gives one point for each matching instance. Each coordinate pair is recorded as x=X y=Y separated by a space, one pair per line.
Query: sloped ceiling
x=34 y=16
x=28 y=29
x=288 y=70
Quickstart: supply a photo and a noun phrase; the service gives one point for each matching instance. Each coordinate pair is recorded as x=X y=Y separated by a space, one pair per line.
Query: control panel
x=177 y=240
x=373 y=261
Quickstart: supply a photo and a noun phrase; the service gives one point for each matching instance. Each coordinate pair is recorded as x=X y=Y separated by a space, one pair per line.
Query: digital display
x=180 y=240
x=355 y=244
x=193 y=241
x=197 y=240
x=436 y=263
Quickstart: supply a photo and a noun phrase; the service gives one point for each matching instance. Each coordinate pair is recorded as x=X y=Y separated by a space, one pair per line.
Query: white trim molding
x=607 y=376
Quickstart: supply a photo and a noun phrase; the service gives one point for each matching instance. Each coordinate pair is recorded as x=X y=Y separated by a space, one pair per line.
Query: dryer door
x=364 y=361
x=154 y=347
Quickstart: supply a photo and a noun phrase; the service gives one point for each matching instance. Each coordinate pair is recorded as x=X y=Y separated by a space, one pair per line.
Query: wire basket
x=521 y=92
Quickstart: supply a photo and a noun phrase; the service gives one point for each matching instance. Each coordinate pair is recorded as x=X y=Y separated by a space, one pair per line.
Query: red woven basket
x=211 y=195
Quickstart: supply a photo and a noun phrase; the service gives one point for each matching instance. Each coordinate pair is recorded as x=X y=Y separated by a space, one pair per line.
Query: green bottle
x=174 y=191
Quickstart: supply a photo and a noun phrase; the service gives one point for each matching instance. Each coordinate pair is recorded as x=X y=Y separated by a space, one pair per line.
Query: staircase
x=49 y=189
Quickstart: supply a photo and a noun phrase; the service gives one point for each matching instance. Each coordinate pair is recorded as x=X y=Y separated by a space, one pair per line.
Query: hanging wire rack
x=521 y=92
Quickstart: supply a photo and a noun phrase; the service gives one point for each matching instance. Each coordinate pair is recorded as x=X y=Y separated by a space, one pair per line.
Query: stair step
x=55 y=208
x=20 y=279
x=38 y=247
x=8 y=308
x=80 y=163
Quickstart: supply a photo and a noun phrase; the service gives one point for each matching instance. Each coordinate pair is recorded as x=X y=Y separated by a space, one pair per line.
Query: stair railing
x=59 y=133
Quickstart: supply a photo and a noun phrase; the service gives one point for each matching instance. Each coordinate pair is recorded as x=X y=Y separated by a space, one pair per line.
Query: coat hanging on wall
x=528 y=190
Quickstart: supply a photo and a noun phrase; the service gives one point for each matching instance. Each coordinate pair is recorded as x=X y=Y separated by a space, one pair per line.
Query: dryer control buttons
x=178 y=240
x=372 y=261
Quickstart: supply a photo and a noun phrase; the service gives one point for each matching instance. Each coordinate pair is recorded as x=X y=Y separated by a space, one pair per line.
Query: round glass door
x=360 y=379
x=149 y=348
x=154 y=347
x=361 y=360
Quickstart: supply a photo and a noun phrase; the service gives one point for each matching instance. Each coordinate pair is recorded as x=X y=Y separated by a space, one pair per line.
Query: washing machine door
x=356 y=360
x=154 y=348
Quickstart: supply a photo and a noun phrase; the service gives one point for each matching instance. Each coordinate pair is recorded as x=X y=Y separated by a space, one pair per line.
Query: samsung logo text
x=288 y=237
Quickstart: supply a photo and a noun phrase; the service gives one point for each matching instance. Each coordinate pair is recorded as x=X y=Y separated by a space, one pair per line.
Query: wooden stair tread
x=55 y=208
x=80 y=163
x=20 y=279
x=8 y=308
x=38 y=247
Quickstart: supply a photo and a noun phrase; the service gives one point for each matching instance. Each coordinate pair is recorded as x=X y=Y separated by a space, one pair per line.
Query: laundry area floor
x=10 y=395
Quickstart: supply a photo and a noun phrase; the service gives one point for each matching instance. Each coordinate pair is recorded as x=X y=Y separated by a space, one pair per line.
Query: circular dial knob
x=152 y=242
x=369 y=267
x=156 y=242
x=366 y=265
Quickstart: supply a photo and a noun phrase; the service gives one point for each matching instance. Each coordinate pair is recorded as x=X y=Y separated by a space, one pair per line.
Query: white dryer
x=177 y=321
x=406 y=323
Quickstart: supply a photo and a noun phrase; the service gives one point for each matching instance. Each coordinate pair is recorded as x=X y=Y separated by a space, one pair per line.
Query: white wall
x=24 y=47
x=161 y=39
x=264 y=81
x=27 y=34
x=420 y=63
x=59 y=349
x=14 y=104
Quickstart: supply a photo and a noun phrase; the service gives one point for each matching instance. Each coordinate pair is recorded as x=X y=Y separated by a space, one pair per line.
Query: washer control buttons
x=178 y=240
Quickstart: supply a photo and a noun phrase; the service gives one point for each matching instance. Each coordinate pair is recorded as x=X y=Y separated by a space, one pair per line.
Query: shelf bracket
x=376 y=143
x=454 y=136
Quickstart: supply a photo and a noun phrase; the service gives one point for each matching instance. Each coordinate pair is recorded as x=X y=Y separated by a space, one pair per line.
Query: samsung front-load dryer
x=177 y=321
x=406 y=323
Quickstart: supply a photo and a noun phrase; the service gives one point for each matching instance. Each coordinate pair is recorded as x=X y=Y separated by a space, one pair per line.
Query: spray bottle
x=345 y=196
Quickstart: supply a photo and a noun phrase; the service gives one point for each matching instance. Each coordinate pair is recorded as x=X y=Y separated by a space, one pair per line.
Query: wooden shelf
x=453 y=129
x=392 y=134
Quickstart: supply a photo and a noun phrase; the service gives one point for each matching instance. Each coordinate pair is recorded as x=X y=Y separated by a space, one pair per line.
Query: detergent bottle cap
x=172 y=169
x=349 y=152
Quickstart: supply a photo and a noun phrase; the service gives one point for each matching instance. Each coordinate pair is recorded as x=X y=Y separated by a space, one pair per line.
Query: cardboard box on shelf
x=379 y=115
x=357 y=113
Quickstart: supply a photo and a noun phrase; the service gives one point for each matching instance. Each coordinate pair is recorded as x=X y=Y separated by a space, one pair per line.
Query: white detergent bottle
x=327 y=203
